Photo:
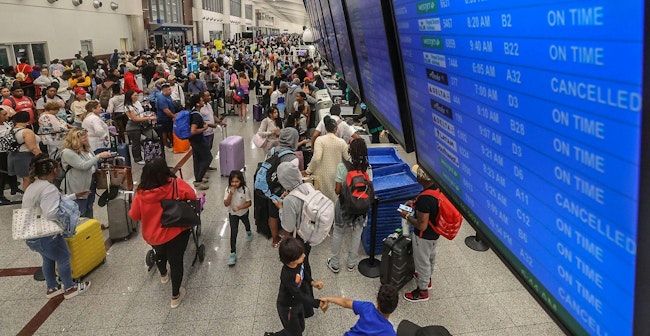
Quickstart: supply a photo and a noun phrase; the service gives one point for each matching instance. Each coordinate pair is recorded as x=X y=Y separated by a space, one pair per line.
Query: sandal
x=275 y=245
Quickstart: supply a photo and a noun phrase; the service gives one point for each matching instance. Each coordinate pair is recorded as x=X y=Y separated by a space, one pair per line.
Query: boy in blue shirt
x=373 y=318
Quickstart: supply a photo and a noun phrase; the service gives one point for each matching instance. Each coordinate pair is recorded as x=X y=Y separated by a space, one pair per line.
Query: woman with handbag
x=269 y=132
x=156 y=184
x=79 y=164
x=44 y=195
x=140 y=123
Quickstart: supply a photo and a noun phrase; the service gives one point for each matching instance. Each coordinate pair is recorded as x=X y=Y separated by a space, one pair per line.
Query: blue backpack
x=182 y=125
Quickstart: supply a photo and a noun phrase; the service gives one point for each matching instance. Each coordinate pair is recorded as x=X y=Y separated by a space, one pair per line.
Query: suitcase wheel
x=201 y=252
x=150 y=258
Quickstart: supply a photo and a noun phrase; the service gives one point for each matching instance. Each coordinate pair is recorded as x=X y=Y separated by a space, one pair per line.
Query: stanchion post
x=369 y=267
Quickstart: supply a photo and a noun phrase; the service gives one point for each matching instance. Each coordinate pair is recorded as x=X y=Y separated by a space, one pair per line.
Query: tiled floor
x=474 y=293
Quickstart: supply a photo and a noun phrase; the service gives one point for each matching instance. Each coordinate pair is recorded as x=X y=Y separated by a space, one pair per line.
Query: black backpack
x=358 y=192
x=266 y=176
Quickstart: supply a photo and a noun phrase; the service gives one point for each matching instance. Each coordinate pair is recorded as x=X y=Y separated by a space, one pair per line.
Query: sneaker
x=205 y=179
x=201 y=185
x=17 y=191
x=76 y=290
x=233 y=259
x=177 y=301
x=164 y=278
x=417 y=295
x=54 y=292
x=350 y=268
x=4 y=201
x=415 y=275
x=141 y=162
x=332 y=267
x=269 y=333
x=249 y=236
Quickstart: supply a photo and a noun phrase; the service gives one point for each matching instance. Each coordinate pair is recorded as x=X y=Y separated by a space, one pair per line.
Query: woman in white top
x=44 y=80
x=18 y=161
x=329 y=151
x=54 y=250
x=140 y=123
x=117 y=111
x=270 y=128
x=95 y=126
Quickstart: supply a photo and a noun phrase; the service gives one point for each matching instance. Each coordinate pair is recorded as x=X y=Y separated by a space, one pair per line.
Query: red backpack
x=448 y=220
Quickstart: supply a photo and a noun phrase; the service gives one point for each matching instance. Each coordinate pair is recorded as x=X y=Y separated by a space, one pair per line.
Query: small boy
x=294 y=295
x=373 y=318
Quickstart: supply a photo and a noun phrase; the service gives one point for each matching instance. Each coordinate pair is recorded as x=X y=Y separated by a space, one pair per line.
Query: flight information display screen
x=529 y=113
x=371 y=43
x=331 y=36
x=343 y=40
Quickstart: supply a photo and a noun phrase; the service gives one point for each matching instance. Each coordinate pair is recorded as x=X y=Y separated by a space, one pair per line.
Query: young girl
x=238 y=199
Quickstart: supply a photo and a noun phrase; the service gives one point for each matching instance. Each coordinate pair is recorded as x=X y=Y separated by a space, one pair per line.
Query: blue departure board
x=343 y=40
x=528 y=112
x=375 y=67
x=331 y=36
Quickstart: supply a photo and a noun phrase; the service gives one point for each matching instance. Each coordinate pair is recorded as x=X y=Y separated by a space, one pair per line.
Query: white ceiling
x=284 y=10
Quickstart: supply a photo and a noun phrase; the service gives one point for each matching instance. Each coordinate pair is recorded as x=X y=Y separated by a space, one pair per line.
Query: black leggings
x=234 y=228
x=173 y=251
x=5 y=178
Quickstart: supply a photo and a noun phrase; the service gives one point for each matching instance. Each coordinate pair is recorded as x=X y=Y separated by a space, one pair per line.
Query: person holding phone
x=79 y=164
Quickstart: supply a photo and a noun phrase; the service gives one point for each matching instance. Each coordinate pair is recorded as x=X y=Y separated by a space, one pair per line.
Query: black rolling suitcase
x=397 y=265
x=261 y=214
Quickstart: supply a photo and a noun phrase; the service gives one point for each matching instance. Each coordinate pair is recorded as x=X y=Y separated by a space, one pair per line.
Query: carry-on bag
x=152 y=149
x=117 y=174
x=122 y=149
x=180 y=145
x=397 y=266
x=87 y=249
x=231 y=154
x=258 y=112
x=120 y=223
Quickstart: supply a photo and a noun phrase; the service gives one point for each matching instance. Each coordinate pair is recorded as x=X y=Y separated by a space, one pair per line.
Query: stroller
x=150 y=259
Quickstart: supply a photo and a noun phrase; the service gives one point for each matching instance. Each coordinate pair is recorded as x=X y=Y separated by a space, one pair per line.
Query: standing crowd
x=61 y=116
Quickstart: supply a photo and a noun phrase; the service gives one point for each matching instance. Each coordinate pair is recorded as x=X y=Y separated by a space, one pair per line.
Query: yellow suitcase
x=87 y=249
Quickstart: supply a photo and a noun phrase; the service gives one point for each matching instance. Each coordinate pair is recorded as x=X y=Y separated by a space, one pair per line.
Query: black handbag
x=178 y=212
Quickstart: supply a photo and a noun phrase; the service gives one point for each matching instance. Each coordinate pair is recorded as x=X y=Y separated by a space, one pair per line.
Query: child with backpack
x=238 y=199
x=294 y=296
x=356 y=195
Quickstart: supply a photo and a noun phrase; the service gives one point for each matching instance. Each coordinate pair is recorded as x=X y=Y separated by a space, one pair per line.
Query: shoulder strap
x=434 y=194
x=13 y=102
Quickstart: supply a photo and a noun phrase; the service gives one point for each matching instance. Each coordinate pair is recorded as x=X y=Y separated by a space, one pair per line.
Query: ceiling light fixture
x=77 y=2
x=114 y=5
x=97 y=4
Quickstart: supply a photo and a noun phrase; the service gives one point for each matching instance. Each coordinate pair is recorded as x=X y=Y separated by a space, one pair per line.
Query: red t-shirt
x=23 y=103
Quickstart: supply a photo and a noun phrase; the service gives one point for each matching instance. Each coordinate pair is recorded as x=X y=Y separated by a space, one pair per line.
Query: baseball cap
x=79 y=90
x=420 y=173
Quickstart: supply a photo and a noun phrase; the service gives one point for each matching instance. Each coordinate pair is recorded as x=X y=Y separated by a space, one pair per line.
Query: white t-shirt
x=241 y=196
x=343 y=131
x=208 y=117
